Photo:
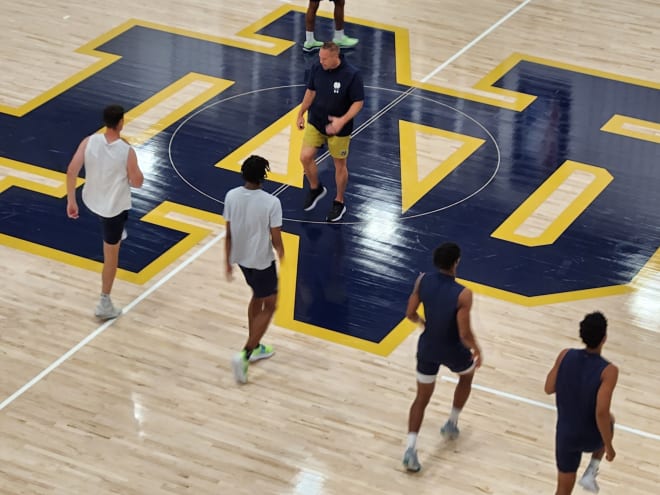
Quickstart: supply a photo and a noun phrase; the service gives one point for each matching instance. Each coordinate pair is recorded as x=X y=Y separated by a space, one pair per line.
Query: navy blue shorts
x=568 y=451
x=113 y=227
x=262 y=282
x=458 y=360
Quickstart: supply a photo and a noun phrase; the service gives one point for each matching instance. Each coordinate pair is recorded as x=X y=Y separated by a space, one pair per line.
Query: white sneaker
x=588 y=481
x=450 y=431
x=410 y=461
x=239 y=365
x=105 y=310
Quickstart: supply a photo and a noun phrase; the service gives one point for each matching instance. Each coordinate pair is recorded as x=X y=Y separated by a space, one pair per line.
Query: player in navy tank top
x=583 y=383
x=447 y=340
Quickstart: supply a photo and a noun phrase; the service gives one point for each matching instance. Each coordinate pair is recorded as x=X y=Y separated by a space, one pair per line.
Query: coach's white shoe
x=105 y=310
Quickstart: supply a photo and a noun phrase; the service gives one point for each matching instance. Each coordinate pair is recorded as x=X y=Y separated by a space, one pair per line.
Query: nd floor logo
x=546 y=173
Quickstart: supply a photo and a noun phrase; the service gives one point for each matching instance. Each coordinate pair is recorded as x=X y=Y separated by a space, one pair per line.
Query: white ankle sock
x=339 y=34
x=309 y=36
x=412 y=440
x=593 y=466
x=453 y=415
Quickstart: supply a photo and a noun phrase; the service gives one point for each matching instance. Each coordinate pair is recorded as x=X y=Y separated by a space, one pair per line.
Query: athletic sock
x=339 y=34
x=309 y=36
x=412 y=440
x=453 y=415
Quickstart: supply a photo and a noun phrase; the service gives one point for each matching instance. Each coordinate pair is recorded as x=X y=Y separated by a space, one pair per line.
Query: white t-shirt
x=106 y=191
x=252 y=213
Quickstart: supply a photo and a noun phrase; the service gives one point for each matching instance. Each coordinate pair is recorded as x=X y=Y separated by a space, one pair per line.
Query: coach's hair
x=593 y=329
x=331 y=45
x=255 y=169
x=446 y=255
x=112 y=114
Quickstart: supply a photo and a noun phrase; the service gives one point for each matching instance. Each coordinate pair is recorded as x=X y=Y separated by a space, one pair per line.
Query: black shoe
x=336 y=212
x=313 y=197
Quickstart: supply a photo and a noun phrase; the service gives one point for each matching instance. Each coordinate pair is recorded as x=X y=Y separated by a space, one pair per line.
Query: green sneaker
x=240 y=366
x=312 y=46
x=261 y=352
x=346 y=42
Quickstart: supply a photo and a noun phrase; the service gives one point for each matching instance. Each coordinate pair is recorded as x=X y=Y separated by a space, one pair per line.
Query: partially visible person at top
x=340 y=38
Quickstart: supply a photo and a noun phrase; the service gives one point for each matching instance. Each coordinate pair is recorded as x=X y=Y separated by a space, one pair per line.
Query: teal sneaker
x=450 y=431
x=240 y=366
x=261 y=352
x=312 y=46
x=410 y=461
x=346 y=42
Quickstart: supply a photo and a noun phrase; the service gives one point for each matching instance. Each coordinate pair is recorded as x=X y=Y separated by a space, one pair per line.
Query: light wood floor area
x=148 y=405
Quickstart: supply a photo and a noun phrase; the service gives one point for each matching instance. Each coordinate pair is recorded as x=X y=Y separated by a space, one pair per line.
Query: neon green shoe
x=346 y=42
x=312 y=46
x=261 y=352
x=240 y=366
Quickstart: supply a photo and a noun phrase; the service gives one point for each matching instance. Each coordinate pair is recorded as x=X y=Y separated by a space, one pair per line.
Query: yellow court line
x=26 y=168
x=217 y=85
x=507 y=230
x=275 y=47
x=294 y=173
x=616 y=125
x=413 y=189
x=284 y=316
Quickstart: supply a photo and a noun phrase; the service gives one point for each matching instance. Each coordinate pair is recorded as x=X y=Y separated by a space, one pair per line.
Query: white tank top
x=106 y=191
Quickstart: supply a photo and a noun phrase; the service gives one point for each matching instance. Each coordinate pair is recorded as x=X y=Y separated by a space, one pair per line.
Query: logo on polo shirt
x=336 y=86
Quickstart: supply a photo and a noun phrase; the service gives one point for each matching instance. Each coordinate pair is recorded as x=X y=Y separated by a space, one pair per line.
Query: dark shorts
x=262 y=282
x=113 y=227
x=458 y=360
x=568 y=452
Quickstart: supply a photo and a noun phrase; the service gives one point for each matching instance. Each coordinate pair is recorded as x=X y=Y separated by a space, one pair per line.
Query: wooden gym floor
x=526 y=131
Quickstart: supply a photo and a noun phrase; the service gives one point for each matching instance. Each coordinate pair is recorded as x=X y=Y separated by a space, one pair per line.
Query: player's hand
x=301 y=122
x=476 y=356
x=610 y=453
x=334 y=126
x=72 y=210
x=229 y=272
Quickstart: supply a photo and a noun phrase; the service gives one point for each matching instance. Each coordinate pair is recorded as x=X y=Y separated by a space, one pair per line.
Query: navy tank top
x=578 y=381
x=439 y=294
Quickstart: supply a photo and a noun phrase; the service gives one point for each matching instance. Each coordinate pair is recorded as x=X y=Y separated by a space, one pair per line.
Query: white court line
x=543 y=405
x=55 y=364
x=158 y=284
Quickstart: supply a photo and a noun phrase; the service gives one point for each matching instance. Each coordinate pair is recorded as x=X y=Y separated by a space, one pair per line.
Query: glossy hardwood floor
x=147 y=404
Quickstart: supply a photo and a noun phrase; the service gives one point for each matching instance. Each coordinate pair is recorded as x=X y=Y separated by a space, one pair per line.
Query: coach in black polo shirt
x=334 y=96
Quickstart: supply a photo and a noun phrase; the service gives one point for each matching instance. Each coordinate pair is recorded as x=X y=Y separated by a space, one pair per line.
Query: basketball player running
x=253 y=228
x=583 y=383
x=111 y=168
x=447 y=340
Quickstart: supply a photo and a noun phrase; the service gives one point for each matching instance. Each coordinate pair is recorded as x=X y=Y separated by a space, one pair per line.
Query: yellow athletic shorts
x=337 y=145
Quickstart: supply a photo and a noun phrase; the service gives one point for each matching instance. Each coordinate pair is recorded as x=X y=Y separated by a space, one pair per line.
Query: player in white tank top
x=111 y=169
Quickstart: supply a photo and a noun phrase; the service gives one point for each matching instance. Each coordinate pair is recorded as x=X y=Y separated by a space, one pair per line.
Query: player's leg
x=567 y=458
x=311 y=44
x=340 y=37
x=338 y=147
x=312 y=141
x=565 y=483
x=460 y=362
x=588 y=479
x=113 y=229
x=426 y=376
